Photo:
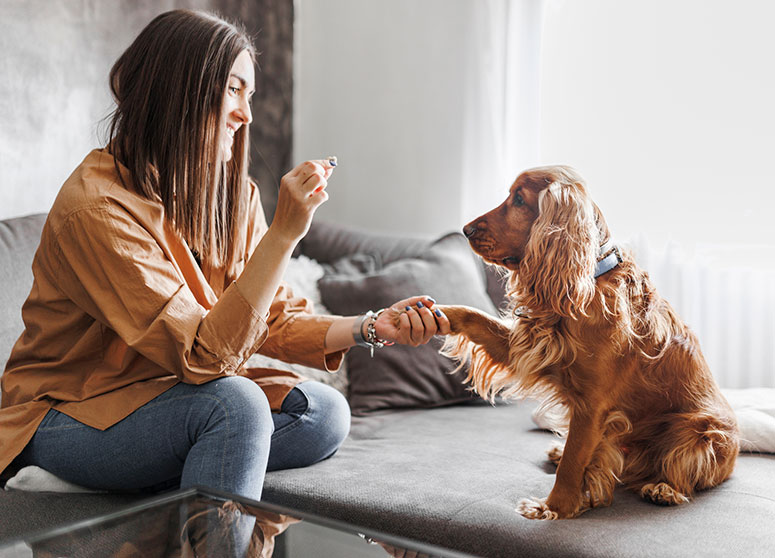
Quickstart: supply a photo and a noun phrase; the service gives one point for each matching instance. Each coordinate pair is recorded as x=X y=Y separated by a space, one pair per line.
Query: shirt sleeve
x=116 y=271
x=297 y=335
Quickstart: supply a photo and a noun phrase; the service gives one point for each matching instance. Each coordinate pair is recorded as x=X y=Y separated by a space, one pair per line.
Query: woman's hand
x=302 y=191
x=411 y=321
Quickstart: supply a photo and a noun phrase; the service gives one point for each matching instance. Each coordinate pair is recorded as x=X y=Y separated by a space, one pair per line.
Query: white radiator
x=727 y=296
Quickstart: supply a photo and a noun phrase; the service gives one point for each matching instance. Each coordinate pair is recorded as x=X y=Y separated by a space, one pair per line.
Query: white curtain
x=501 y=99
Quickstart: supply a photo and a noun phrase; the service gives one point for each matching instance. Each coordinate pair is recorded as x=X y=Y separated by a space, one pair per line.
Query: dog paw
x=535 y=508
x=663 y=494
x=555 y=453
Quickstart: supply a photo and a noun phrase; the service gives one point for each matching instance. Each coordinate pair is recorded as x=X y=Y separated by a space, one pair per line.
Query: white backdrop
x=431 y=106
x=666 y=107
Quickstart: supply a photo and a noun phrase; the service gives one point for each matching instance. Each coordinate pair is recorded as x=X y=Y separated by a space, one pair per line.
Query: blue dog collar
x=611 y=257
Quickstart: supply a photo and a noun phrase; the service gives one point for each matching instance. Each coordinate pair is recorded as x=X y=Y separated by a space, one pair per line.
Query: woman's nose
x=244 y=113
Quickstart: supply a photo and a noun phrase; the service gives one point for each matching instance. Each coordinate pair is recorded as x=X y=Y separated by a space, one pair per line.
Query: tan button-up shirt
x=119 y=312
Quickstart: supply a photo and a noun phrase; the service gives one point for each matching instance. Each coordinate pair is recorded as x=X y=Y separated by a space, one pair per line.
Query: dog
x=589 y=335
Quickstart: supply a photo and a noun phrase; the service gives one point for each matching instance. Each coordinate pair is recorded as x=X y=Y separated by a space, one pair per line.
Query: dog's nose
x=469 y=230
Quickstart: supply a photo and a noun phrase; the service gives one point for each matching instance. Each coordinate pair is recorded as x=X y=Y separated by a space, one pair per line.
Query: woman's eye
x=233 y=90
x=518 y=200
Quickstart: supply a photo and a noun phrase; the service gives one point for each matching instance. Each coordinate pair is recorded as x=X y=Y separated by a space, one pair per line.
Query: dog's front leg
x=483 y=330
x=566 y=499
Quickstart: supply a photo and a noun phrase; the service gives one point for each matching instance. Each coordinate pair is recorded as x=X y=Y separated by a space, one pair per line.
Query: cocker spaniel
x=590 y=336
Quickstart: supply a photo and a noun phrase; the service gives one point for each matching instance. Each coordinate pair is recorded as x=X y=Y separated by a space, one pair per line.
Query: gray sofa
x=450 y=470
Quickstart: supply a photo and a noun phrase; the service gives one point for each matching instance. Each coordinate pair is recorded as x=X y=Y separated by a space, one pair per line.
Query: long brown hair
x=169 y=87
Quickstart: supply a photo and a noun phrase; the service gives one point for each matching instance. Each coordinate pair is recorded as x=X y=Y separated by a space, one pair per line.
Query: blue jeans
x=220 y=434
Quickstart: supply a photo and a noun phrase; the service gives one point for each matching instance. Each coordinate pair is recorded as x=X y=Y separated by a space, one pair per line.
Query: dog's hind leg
x=554 y=453
x=662 y=494
x=697 y=452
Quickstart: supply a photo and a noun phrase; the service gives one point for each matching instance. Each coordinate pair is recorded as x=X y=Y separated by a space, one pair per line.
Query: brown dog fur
x=640 y=405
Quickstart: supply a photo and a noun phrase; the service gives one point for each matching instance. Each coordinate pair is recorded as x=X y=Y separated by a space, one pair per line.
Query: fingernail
x=419 y=304
x=332 y=161
x=408 y=308
x=438 y=312
x=429 y=298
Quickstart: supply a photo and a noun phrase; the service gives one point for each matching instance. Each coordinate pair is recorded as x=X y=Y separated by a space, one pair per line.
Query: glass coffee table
x=207 y=523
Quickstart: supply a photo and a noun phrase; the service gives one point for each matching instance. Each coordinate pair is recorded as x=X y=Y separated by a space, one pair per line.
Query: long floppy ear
x=558 y=269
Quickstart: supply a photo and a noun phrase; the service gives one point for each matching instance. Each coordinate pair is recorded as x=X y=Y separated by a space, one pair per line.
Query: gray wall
x=56 y=55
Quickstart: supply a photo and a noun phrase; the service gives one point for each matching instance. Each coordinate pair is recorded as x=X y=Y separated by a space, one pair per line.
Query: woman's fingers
x=416 y=320
x=419 y=322
x=404 y=329
x=429 y=323
x=416 y=327
x=302 y=191
x=312 y=176
x=314 y=184
x=412 y=301
x=442 y=321
x=307 y=168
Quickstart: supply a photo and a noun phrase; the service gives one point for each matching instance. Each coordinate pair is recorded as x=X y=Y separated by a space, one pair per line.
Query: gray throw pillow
x=403 y=376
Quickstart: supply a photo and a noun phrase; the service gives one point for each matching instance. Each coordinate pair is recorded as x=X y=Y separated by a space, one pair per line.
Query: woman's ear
x=557 y=272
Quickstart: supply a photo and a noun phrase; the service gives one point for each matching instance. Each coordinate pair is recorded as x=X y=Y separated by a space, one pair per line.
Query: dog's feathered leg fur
x=480 y=339
x=481 y=329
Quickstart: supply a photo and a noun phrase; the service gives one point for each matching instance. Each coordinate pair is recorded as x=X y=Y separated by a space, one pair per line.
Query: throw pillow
x=403 y=376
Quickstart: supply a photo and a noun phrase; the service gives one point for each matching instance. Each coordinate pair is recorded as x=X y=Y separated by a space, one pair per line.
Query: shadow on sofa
x=425 y=459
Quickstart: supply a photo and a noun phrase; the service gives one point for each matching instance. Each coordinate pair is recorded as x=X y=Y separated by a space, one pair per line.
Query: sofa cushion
x=452 y=476
x=402 y=376
x=328 y=242
x=23 y=513
x=19 y=239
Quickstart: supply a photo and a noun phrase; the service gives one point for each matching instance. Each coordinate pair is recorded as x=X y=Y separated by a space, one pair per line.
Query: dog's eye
x=518 y=200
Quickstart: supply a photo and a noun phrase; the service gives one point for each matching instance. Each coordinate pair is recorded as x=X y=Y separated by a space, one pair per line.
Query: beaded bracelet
x=371 y=341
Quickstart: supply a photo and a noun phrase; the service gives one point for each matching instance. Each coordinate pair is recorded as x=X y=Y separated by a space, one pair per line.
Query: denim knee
x=321 y=422
x=234 y=439
x=329 y=410
x=245 y=404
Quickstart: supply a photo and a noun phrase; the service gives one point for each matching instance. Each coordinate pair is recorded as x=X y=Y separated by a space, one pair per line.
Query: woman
x=157 y=277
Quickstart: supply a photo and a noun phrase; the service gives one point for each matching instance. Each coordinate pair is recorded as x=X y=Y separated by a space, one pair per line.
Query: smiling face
x=501 y=235
x=235 y=109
